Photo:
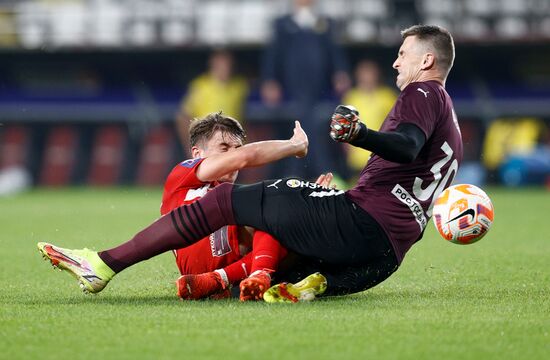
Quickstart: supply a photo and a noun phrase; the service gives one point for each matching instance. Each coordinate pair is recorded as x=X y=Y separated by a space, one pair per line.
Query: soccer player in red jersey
x=214 y=134
x=219 y=260
x=209 y=267
x=357 y=238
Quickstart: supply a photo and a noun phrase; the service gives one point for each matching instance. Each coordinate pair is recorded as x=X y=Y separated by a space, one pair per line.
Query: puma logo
x=275 y=184
x=423 y=92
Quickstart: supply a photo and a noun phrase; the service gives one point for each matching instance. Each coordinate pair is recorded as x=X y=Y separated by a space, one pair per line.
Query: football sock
x=239 y=270
x=181 y=227
x=266 y=252
x=100 y=267
x=223 y=276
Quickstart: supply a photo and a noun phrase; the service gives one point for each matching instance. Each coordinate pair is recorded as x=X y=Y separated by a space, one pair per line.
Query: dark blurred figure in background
x=218 y=89
x=304 y=64
x=374 y=100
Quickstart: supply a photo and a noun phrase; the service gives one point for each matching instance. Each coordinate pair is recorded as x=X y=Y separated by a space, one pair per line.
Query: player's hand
x=299 y=139
x=344 y=123
x=325 y=180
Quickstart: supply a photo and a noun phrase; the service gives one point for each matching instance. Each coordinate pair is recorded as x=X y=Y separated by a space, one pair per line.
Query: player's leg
x=266 y=255
x=373 y=262
x=353 y=279
x=309 y=225
x=215 y=283
x=340 y=279
x=180 y=228
x=201 y=286
x=309 y=220
x=210 y=266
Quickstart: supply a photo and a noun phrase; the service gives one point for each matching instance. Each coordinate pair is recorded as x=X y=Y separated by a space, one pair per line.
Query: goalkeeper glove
x=344 y=124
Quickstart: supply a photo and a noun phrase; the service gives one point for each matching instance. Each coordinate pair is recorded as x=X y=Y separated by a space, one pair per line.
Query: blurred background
x=100 y=92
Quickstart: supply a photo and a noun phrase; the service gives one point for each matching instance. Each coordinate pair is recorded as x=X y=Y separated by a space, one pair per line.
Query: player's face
x=409 y=62
x=219 y=143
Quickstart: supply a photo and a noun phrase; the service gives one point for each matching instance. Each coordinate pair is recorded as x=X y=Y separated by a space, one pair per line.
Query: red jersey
x=214 y=251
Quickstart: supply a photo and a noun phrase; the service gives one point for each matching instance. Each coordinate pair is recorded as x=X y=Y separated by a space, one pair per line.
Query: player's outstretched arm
x=402 y=145
x=253 y=154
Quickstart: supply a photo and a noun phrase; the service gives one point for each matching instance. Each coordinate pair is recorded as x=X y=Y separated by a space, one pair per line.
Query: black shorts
x=311 y=221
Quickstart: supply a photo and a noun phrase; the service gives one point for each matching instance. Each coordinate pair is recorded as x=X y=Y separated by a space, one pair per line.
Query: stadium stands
x=99 y=82
x=108 y=23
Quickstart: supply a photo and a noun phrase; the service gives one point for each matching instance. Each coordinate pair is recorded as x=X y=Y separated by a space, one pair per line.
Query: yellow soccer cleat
x=85 y=265
x=304 y=290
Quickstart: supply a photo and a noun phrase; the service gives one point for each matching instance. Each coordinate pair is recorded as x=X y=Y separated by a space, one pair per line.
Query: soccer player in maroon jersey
x=356 y=238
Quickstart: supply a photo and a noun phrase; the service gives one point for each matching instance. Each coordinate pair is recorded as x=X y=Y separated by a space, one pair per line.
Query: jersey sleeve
x=418 y=105
x=185 y=174
x=181 y=180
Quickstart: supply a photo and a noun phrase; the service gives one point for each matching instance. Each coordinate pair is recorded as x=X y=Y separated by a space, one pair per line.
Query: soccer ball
x=463 y=214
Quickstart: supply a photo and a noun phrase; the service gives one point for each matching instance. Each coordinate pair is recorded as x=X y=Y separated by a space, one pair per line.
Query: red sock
x=239 y=270
x=267 y=252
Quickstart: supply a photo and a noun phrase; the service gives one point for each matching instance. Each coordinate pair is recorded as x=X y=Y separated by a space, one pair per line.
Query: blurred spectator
x=304 y=63
x=514 y=148
x=510 y=136
x=373 y=100
x=8 y=35
x=216 y=90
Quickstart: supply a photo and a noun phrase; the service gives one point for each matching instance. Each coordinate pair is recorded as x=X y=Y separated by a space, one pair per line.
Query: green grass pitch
x=489 y=300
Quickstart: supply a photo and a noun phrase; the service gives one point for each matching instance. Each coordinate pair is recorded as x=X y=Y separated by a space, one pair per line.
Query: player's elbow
x=410 y=148
x=406 y=158
x=408 y=155
x=405 y=155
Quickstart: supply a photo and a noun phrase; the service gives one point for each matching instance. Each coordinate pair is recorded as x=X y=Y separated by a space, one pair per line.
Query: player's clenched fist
x=344 y=124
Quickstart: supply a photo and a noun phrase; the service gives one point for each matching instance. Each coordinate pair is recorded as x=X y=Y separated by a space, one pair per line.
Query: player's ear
x=195 y=152
x=428 y=61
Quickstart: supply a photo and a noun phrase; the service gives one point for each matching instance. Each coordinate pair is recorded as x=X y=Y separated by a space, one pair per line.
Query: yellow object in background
x=373 y=106
x=507 y=136
x=206 y=94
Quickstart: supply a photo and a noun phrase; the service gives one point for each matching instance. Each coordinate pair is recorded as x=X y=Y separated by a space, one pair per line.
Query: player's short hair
x=202 y=129
x=439 y=38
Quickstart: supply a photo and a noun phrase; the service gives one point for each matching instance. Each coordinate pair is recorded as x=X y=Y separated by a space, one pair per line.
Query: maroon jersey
x=400 y=196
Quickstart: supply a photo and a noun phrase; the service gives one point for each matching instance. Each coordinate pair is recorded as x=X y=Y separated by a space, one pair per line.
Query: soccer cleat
x=85 y=265
x=304 y=290
x=201 y=286
x=254 y=286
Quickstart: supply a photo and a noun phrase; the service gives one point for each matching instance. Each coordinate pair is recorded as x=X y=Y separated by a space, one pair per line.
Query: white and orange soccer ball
x=463 y=214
